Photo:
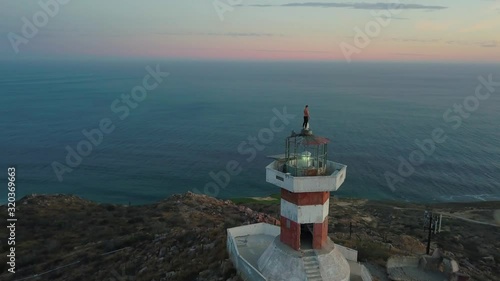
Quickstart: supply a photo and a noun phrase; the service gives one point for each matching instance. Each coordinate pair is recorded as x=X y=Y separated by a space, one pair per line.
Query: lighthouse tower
x=299 y=249
x=305 y=178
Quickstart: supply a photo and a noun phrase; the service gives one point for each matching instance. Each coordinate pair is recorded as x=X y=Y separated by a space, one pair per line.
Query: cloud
x=413 y=40
x=244 y=34
x=228 y=34
x=490 y=44
x=426 y=25
x=359 y=5
x=398 y=18
x=484 y=44
x=292 y=51
x=412 y=54
x=483 y=25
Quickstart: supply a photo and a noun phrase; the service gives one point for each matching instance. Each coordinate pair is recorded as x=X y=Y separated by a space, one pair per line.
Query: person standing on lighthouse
x=305 y=125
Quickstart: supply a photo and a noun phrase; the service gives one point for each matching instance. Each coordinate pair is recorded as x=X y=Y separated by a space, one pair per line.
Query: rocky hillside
x=61 y=237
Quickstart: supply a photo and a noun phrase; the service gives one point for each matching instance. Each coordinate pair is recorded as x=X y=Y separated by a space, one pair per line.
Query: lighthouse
x=305 y=178
x=299 y=249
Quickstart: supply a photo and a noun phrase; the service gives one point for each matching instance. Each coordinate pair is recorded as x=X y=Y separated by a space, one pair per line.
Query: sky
x=363 y=30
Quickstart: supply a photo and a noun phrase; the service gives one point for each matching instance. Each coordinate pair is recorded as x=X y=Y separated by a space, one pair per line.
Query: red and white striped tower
x=306 y=178
x=300 y=249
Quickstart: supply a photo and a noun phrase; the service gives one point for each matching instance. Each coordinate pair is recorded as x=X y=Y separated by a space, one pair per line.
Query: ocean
x=423 y=119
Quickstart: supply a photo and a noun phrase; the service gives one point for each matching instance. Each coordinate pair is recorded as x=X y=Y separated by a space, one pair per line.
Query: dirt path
x=451 y=216
x=469 y=220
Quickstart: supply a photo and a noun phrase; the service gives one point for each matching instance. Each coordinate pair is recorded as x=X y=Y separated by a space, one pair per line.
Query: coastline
x=467 y=213
x=274 y=198
x=172 y=237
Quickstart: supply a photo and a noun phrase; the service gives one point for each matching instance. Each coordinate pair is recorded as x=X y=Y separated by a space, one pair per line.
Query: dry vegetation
x=183 y=237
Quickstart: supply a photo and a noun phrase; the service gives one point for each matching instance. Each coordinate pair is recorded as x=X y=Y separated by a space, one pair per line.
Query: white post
x=440 y=219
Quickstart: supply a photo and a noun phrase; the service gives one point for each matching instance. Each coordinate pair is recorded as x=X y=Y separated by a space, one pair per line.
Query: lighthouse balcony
x=294 y=178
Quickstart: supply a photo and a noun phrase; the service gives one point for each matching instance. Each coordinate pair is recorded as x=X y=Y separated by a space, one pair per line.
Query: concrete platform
x=422 y=268
x=258 y=255
x=281 y=263
x=251 y=247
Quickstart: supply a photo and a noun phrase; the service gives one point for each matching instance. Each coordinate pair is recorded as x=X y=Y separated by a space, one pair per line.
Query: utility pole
x=430 y=235
x=433 y=224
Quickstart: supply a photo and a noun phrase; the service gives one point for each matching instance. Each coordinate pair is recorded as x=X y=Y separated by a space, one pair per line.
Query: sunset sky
x=423 y=30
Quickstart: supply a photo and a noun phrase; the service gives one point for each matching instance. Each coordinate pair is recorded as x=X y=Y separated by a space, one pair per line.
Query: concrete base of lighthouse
x=258 y=255
x=281 y=263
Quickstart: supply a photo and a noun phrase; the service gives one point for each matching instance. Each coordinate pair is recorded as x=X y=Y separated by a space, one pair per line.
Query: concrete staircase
x=311 y=266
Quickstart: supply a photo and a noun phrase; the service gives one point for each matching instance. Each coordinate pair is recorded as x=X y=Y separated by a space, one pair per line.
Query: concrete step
x=311 y=266
x=308 y=253
x=311 y=269
x=314 y=278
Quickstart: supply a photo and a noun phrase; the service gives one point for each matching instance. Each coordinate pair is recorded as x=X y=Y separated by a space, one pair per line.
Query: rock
x=205 y=273
x=209 y=246
x=249 y=211
x=192 y=251
x=489 y=259
x=226 y=266
x=174 y=250
x=162 y=252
